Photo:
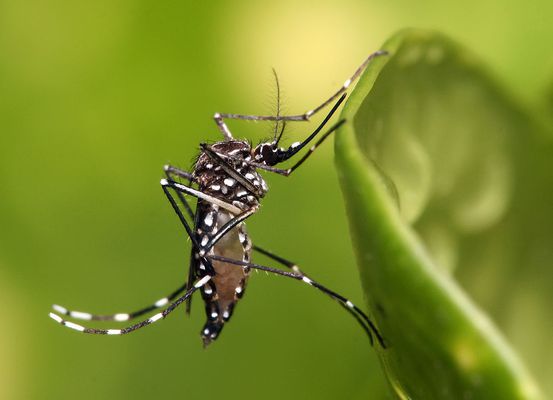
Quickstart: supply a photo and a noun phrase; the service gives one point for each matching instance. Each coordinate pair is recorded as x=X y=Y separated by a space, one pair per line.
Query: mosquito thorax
x=216 y=181
x=236 y=153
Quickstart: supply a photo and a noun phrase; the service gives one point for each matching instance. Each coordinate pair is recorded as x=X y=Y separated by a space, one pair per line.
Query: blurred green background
x=97 y=96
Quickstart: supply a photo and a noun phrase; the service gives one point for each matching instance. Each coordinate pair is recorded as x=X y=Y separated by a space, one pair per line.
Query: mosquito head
x=268 y=153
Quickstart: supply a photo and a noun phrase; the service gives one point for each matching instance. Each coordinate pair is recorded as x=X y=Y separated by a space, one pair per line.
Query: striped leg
x=202 y=250
x=120 y=316
x=370 y=328
x=179 y=187
x=284 y=154
x=219 y=117
x=240 y=217
x=360 y=317
x=172 y=172
x=226 y=228
x=283 y=261
x=165 y=300
x=139 y=325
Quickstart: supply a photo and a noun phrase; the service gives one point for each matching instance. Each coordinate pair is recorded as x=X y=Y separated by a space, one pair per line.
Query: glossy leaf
x=426 y=159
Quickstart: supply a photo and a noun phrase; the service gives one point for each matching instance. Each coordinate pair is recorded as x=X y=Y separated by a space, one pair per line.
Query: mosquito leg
x=297 y=270
x=161 y=302
x=120 y=316
x=179 y=187
x=165 y=186
x=225 y=229
x=193 y=237
x=139 y=325
x=222 y=126
x=209 y=242
x=283 y=261
x=171 y=172
x=341 y=299
x=219 y=117
x=348 y=82
x=285 y=154
x=190 y=282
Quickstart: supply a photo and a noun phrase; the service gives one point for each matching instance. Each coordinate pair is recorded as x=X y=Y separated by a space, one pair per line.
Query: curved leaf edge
x=390 y=254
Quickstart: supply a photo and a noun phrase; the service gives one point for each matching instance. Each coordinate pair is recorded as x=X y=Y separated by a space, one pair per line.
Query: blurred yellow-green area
x=95 y=97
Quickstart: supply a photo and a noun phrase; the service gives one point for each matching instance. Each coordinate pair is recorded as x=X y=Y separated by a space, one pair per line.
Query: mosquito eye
x=267 y=152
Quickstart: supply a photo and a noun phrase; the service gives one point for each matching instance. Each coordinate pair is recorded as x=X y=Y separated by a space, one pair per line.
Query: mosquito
x=227 y=187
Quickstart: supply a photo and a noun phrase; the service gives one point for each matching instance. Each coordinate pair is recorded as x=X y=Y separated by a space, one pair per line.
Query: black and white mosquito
x=226 y=183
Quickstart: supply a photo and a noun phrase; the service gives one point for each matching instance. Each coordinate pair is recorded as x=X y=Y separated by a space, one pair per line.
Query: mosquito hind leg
x=161 y=315
x=120 y=317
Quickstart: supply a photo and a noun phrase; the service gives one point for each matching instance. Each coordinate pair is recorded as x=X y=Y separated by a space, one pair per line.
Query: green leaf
x=425 y=161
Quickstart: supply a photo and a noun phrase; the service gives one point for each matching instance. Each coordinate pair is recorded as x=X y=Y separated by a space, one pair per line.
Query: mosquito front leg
x=281 y=155
x=219 y=117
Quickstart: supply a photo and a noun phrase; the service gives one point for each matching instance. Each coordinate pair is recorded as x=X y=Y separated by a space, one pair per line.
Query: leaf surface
x=427 y=159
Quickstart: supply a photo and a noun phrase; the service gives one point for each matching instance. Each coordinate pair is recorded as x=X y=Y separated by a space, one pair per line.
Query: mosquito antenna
x=278 y=105
x=281 y=132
